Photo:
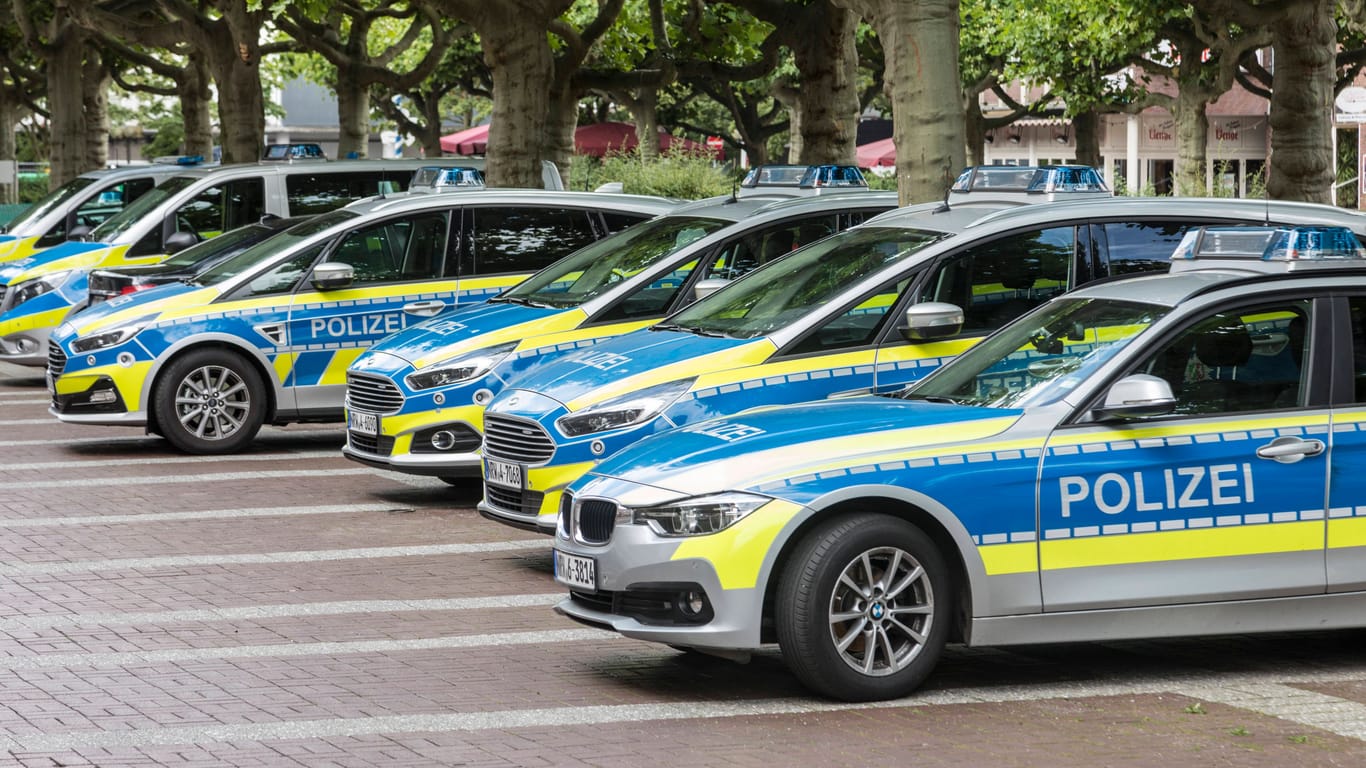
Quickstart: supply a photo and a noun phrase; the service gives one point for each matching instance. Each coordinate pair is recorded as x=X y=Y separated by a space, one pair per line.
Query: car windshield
x=51 y=201
x=119 y=224
x=784 y=291
x=271 y=246
x=1041 y=357
x=596 y=268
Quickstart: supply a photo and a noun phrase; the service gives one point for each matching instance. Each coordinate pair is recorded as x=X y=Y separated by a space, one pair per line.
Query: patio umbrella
x=471 y=141
x=876 y=153
x=598 y=139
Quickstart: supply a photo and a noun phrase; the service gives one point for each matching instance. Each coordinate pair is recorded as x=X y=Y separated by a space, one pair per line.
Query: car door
x=1223 y=499
x=398 y=266
x=1347 y=477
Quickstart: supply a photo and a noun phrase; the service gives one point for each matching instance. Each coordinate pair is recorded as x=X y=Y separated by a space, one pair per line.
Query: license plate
x=503 y=473
x=367 y=423
x=576 y=571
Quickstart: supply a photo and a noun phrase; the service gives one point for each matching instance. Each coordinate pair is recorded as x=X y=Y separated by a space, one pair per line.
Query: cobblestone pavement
x=286 y=607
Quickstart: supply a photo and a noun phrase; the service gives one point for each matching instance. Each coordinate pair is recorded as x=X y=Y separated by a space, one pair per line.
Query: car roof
x=1242 y=209
x=485 y=196
x=155 y=169
x=733 y=208
x=324 y=166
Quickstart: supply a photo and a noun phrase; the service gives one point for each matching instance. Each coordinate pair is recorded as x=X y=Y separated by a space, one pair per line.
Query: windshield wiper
x=908 y=395
x=516 y=300
x=686 y=329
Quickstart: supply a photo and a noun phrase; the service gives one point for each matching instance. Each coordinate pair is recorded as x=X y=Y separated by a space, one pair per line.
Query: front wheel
x=863 y=608
x=210 y=402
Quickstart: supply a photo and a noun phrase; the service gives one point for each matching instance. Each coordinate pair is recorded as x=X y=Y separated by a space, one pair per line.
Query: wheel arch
x=924 y=512
x=252 y=355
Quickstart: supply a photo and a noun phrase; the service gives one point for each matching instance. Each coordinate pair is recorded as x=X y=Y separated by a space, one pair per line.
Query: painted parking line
x=629 y=713
x=266 y=436
x=279 y=611
x=208 y=514
x=267 y=558
x=216 y=477
x=70 y=464
x=30 y=401
x=1318 y=710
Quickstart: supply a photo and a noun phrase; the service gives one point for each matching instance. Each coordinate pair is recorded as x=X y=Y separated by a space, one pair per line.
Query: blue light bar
x=1268 y=244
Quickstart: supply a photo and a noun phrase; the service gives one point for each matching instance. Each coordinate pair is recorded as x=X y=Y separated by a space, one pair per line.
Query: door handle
x=424 y=308
x=1288 y=450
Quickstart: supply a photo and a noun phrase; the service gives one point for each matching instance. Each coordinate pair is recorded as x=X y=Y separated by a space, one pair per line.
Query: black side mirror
x=179 y=241
x=79 y=232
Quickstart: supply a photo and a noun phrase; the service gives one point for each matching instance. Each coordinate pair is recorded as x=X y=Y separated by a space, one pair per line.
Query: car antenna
x=734 y=191
x=944 y=206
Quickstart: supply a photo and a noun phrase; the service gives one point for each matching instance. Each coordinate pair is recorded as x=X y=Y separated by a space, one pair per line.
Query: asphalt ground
x=286 y=607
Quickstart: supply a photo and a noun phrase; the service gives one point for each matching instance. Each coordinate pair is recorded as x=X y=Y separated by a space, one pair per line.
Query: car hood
x=760 y=448
x=472 y=328
x=12 y=271
x=153 y=301
x=637 y=360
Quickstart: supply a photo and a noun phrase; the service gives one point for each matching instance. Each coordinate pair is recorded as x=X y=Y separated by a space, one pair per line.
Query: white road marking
x=74 y=464
x=217 y=477
x=208 y=514
x=279 y=611
x=1317 y=710
x=33 y=401
x=627 y=713
x=270 y=558
x=28 y=422
x=267 y=435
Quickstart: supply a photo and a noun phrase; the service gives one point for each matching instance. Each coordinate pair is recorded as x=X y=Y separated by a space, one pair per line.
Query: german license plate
x=367 y=423
x=576 y=571
x=503 y=473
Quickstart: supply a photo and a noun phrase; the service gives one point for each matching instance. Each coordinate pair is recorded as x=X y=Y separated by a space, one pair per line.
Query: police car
x=39 y=291
x=829 y=319
x=1167 y=455
x=266 y=336
x=801 y=180
x=416 y=399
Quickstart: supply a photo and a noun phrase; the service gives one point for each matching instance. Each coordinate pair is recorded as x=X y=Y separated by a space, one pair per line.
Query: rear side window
x=522 y=239
x=1140 y=246
x=997 y=281
x=223 y=207
x=313 y=193
x=619 y=220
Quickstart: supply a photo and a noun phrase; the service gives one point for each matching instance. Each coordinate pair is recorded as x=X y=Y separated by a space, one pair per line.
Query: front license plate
x=503 y=473
x=367 y=423
x=576 y=571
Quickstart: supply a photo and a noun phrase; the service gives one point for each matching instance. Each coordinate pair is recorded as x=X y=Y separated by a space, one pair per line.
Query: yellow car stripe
x=737 y=552
x=529 y=333
x=1261 y=422
x=1005 y=559
x=1188 y=544
x=748 y=354
x=335 y=373
x=1349 y=532
x=18 y=248
x=283 y=363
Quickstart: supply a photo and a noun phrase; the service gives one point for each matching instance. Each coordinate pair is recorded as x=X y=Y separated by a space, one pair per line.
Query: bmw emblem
x=877 y=611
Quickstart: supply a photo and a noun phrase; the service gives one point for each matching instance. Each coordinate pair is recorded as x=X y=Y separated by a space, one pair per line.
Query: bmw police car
x=829 y=319
x=1167 y=455
x=39 y=291
x=266 y=336
x=416 y=399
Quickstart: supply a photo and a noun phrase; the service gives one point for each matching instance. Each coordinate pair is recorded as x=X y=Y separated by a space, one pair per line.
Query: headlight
x=459 y=369
x=111 y=337
x=625 y=411
x=700 y=515
x=32 y=289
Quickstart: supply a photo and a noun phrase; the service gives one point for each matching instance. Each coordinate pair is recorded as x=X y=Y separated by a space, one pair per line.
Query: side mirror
x=1138 y=396
x=79 y=232
x=179 y=241
x=931 y=320
x=331 y=276
x=705 y=288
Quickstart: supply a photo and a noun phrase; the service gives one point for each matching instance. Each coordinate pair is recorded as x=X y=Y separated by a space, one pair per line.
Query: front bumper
x=27 y=347
x=409 y=443
x=536 y=506
x=109 y=394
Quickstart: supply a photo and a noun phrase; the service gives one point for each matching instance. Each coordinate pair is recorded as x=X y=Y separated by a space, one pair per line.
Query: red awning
x=471 y=141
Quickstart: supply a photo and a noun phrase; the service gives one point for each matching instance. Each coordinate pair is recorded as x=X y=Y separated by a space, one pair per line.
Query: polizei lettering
x=1115 y=493
x=353 y=326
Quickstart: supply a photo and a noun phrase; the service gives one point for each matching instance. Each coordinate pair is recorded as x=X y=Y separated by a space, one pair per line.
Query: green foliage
x=881 y=182
x=672 y=174
x=1195 y=709
x=32 y=187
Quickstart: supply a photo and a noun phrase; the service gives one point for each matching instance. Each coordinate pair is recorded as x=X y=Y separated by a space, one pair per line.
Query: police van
x=39 y=291
x=1166 y=455
x=830 y=319
x=267 y=336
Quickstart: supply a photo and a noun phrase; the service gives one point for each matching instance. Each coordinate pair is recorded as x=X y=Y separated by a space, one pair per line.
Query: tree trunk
x=95 y=101
x=561 y=118
x=975 y=132
x=9 y=115
x=353 y=115
x=194 y=93
x=235 y=59
x=1192 y=138
x=518 y=55
x=1302 y=160
x=825 y=122
x=66 y=106
x=645 y=115
x=1086 y=133
x=920 y=41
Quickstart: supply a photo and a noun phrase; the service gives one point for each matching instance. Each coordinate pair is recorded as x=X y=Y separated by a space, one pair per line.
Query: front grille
x=379 y=446
x=518 y=502
x=566 y=505
x=596 y=519
x=56 y=358
x=375 y=394
x=516 y=440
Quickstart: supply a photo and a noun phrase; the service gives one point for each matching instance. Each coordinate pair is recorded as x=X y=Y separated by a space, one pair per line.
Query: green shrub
x=672 y=174
x=876 y=181
x=32 y=186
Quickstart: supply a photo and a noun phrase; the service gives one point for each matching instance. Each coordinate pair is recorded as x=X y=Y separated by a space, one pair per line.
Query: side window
x=1357 y=308
x=283 y=277
x=1242 y=360
x=857 y=326
x=222 y=207
x=619 y=220
x=397 y=250
x=1141 y=247
x=758 y=247
x=313 y=193
x=522 y=239
x=997 y=281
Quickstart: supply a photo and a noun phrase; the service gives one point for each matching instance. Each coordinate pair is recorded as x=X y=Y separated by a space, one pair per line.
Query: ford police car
x=416 y=399
x=829 y=319
x=266 y=336
x=1166 y=455
x=39 y=291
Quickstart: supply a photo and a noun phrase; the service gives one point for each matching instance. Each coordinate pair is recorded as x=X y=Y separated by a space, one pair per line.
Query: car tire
x=210 y=401
x=845 y=628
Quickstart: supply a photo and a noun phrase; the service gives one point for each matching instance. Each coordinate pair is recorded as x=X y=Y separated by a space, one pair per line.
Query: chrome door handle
x=424 y=308
x=1289 y=450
